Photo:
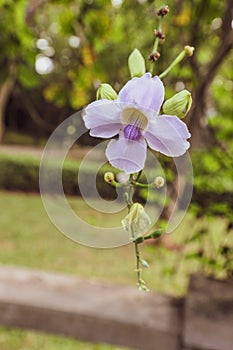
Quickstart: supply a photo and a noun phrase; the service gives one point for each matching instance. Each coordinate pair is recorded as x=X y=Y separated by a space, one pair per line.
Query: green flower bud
x=159 y=182
x=109 y=177
x=137 y=221
x=189 y=50
x=105 y=91
x=179 y=104
x=136 y=64
x=156 y=233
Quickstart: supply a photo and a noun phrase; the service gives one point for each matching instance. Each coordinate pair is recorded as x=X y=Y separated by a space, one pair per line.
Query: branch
x=31 y=9
x=198 y=111
x=221 y=52
x=227 y=18
x=34 y=114
x=199 y=12
x=5 y=92
x=226 y=41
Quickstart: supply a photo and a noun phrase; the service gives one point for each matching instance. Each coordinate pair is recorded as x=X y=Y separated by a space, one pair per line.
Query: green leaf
x=136 y=64
x=144 y=263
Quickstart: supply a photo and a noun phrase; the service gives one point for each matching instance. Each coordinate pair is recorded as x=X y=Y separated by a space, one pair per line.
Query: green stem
x=129 y=201
x=139 y=184
x=137 y=254
x=129 y=196
x=116 y=184
x=177 y=60
x=138 y=264
x=156 y=44
x=138 y=175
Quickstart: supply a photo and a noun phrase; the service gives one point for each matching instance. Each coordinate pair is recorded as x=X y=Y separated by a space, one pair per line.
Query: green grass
x=15 y=339
x=29 y=239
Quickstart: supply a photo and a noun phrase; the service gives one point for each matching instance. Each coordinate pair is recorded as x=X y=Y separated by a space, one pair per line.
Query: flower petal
x=103 y=118
x=144 y=92
x=168 y=134
x=127 y=155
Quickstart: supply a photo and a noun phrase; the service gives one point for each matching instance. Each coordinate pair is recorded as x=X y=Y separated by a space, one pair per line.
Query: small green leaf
x=136 y=64
x=143 y=288
x=144 y=263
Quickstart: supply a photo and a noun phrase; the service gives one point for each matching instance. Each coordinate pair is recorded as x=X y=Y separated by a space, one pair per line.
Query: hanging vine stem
x=137 y=221
x=133 y=181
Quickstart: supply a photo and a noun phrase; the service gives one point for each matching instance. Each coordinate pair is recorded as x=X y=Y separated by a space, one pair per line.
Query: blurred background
x=54 y=55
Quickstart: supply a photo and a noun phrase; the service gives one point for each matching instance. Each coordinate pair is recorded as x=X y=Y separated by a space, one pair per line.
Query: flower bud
x=122 y=177
x=154 y=57
x=189 y=50
x=159 y=182
x=105 y=91
x=109 y=177
x=179 y=104
x=156 y=234
x=137 y=221
x=136 y=64
x=163 y=11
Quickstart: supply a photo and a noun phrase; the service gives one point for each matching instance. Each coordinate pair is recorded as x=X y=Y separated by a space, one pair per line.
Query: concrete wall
x=121 y=315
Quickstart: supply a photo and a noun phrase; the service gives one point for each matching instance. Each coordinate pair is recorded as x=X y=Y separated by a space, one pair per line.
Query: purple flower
x=134 y=117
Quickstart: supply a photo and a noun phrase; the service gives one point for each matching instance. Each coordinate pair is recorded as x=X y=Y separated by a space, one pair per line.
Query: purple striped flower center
x=135 y=122
x=132 y=132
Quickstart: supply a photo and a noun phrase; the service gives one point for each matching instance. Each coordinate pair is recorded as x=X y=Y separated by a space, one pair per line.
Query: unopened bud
x=154 y=57
x=156 y=234
x=159 y=182
x=106 y=92
x=163 y=11
x=179 y=104
x=159 y=34
x=136 y=64
x=189 y=50
x=109 y=177
x=122 y=177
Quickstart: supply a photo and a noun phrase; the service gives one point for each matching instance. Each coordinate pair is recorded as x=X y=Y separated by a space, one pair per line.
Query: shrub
x=21 y=173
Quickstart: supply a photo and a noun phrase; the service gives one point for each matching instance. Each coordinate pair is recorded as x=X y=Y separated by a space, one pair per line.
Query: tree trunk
x=5 y=92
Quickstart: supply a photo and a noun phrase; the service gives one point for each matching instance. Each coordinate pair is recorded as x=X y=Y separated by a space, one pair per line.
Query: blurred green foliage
x=21 y=173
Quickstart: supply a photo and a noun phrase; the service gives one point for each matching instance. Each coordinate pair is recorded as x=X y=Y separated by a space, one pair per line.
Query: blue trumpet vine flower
x=134 y=116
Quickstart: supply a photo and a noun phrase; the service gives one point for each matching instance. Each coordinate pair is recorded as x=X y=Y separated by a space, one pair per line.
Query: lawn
x=14 y=339
x=29 y=239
